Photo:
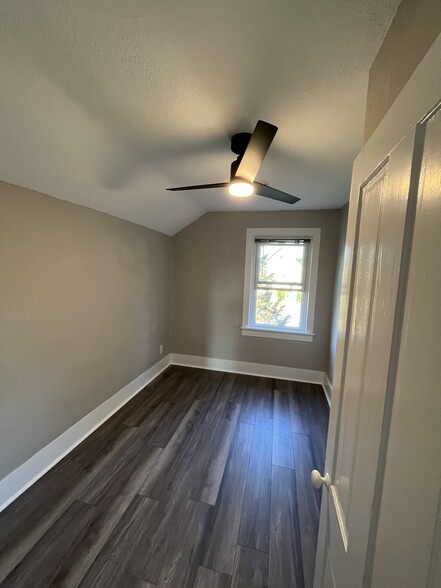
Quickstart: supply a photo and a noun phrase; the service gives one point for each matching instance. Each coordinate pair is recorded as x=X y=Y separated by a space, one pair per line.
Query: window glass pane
x=280 y=263
x=278 y=308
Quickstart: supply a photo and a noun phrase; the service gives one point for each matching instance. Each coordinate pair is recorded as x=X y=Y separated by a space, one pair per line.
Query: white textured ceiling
x=106 y=103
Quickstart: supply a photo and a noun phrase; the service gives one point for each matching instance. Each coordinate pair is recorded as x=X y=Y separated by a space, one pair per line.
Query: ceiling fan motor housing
x=239 y=142
x=234 y=166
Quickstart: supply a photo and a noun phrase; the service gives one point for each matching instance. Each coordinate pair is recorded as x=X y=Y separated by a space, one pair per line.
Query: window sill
x=274 y=334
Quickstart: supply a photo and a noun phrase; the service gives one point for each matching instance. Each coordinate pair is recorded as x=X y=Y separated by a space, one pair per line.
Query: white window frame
x=253 y=330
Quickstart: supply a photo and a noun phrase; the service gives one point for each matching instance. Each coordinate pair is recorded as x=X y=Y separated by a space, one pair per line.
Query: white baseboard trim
x=327 y=387
x=245 y=367
x=28 y=473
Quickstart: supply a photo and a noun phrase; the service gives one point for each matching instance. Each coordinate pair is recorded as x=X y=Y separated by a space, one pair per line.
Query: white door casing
x=384 y=200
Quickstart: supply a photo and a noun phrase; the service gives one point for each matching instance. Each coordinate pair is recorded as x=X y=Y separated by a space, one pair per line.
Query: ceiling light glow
x=241 y=188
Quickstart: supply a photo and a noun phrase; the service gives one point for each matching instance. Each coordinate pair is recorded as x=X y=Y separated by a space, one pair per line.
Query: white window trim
x=250 y=268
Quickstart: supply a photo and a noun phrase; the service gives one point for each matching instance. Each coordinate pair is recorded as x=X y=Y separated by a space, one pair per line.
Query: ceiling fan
x=251 y=150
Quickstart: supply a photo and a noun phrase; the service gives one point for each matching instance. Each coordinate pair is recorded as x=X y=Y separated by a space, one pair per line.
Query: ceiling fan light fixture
x=240 y=188
x=251 y=149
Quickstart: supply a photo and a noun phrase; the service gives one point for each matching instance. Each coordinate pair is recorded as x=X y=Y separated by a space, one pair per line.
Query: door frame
x=409 y=108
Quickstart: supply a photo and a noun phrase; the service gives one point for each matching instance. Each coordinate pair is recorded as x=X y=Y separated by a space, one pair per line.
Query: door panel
x=372 y=198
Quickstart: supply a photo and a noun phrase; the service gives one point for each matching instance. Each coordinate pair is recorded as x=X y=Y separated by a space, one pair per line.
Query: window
x=280 y=283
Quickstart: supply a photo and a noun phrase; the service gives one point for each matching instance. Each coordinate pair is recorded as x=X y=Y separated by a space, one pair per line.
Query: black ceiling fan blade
x=256 y=150
x=268 y=192
x=199 y=187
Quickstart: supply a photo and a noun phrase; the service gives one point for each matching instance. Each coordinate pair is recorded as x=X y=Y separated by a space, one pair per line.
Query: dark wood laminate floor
x=202 y=480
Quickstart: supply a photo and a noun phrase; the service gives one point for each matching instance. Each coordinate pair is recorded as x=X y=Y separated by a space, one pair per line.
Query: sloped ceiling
x=105 y=103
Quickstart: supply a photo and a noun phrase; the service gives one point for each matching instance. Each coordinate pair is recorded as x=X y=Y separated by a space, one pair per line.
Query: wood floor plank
x=239 y=388
x=257 y=399
x=166 y=382
x=208 y=383
x=153 y=422
x=308 y=410
x=187 y=477
x=251 y=568
x=248 y=402
x=308 y=502
x=220 y=399
x=101 y=442
x=180 y=391
x=148 y=400
x=281 y=407
x=164 y=470
x=118 y=548
x=169 y=422
x=213 y=471
x=111 y=493
x=168 y=553
x=188 y=380
x=49 y=562
x=196 y=384
x=282 y=436
x=319 y=411
x=197 y=472
x=134 y=411
x=140 y=515
x=285 y=561
x=299 y=422
x=255 y=517
x=211 y=579
x=112 y=575
x=223 y=529
x=263 y=397
x=27 y=519
x=124 y=473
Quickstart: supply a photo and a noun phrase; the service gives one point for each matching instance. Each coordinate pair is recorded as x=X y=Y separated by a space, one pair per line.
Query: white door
x=376 y=357
x=407 y=547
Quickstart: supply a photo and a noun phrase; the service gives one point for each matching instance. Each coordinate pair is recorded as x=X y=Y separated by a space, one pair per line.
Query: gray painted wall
x=209 y=257
x=414 y=28
x=84 y=307
x=337 y=290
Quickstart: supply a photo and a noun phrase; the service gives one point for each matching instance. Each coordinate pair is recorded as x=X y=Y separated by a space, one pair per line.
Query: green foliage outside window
x=268 y=310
